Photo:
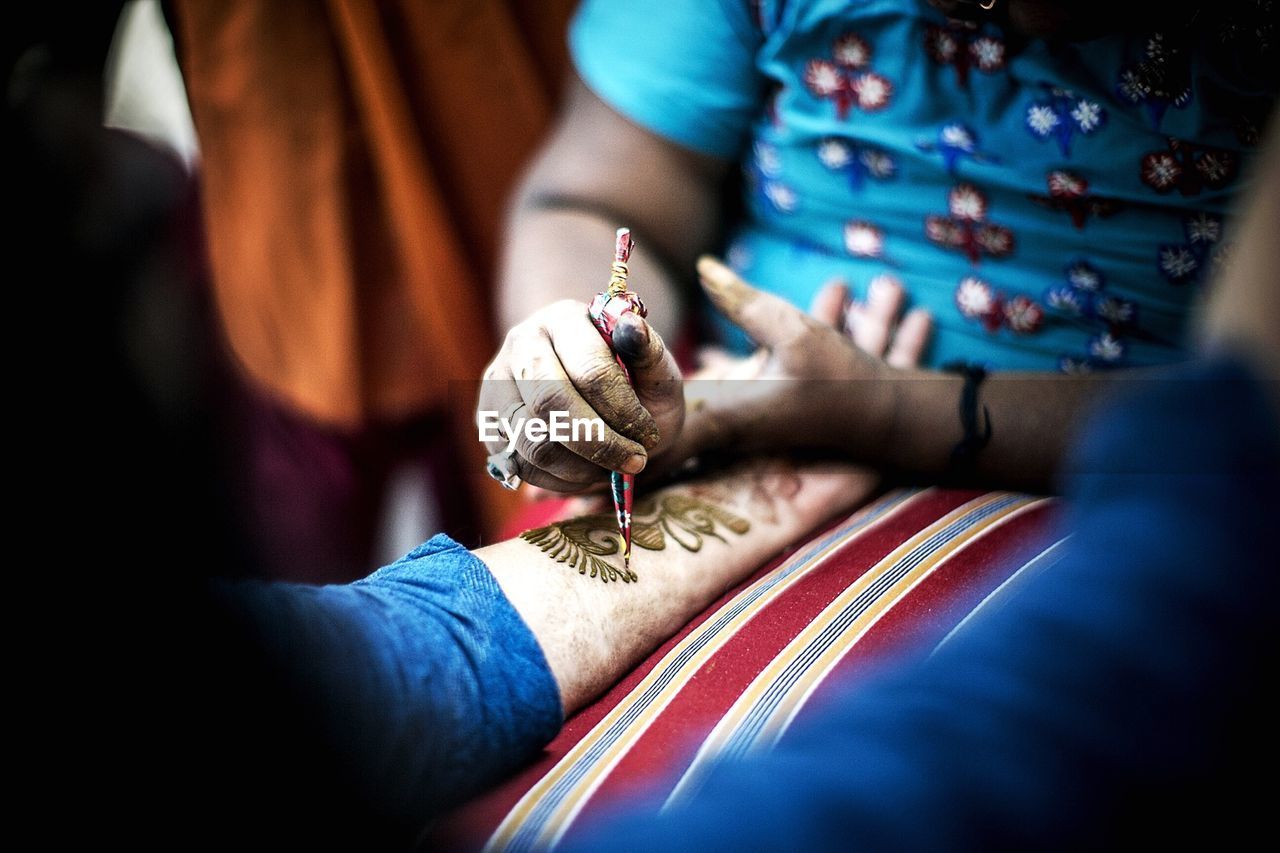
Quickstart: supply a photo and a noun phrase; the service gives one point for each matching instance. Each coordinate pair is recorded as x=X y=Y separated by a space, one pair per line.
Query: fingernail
x=720 y=282
x=714 y=272
x=631 y=336
x=880 y=286
x=710 y=265
x=634 y=465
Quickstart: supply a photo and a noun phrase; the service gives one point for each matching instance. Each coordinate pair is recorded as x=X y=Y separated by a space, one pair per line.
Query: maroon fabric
x=313 y=495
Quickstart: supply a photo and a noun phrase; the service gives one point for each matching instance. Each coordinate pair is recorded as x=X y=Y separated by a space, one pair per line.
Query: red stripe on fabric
x=696 y=709
x=921 y=620
x=471 y=824
x=668 y=746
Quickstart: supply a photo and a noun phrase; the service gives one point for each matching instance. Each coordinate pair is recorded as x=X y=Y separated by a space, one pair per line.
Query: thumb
x=643 y=349
x=654 y=373
x=768 y=319
x=632 y=340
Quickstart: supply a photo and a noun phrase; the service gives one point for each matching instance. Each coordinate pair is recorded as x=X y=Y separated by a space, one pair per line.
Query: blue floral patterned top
x=1054 y=205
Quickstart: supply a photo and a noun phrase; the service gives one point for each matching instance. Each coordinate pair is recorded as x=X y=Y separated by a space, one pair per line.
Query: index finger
x=769 y=320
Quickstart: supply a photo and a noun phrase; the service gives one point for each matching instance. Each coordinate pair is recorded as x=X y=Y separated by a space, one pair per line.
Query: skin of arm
x=593 y=632
x=1184 y=714
x=832 y=395
x=908 y=418
x=598 y=171
x=1243 y=312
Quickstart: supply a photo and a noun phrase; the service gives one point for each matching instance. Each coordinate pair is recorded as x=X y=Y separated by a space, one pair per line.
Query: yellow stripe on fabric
x=714 y=638
x=724 y=731
x=780 y=720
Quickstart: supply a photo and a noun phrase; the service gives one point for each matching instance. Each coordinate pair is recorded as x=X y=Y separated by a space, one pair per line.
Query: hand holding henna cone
x=606 y=309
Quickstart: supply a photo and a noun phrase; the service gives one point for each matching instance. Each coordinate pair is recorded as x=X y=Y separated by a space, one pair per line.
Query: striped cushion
x=903 y=570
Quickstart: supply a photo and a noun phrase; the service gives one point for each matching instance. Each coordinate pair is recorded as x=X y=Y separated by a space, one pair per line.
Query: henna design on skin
x=572 y=542
x=762 y=485
x=584 y=543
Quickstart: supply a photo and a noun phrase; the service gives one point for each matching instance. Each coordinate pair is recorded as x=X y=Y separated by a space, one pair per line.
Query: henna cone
x=605 y=311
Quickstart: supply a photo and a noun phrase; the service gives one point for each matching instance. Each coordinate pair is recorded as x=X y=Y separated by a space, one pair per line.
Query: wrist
x=869 y=414
x=923 y=426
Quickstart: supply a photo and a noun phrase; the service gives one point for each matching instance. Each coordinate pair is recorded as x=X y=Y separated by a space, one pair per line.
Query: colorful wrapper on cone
x=606 y=309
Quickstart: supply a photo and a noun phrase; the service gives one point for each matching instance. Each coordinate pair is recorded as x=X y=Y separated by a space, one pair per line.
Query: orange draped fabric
x=355 y=158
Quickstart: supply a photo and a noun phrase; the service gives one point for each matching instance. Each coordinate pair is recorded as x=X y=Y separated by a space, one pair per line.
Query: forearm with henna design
x=584 y=542
x=693 y=541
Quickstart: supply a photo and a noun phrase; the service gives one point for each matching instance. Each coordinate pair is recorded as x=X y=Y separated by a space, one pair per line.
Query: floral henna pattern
x=584 y=543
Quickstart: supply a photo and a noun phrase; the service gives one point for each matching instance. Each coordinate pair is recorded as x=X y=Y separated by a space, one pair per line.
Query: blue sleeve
x=426 y=681
x=684 y=69
x=1120 y=694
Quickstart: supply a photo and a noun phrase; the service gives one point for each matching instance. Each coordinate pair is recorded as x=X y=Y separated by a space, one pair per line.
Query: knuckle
x=537 y=477
x=523 y=469
x=597 y=371
x=811 y=326
x=607 y=454
x=540 y=453
x=545 y=397
x=515 y=333
x=641 y=423
x=795 y=361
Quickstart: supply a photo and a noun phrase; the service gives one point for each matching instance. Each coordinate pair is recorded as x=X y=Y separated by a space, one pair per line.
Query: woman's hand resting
x=817 y=380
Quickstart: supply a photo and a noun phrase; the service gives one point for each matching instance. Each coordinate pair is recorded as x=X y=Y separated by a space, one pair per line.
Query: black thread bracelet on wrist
x=966 y=451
